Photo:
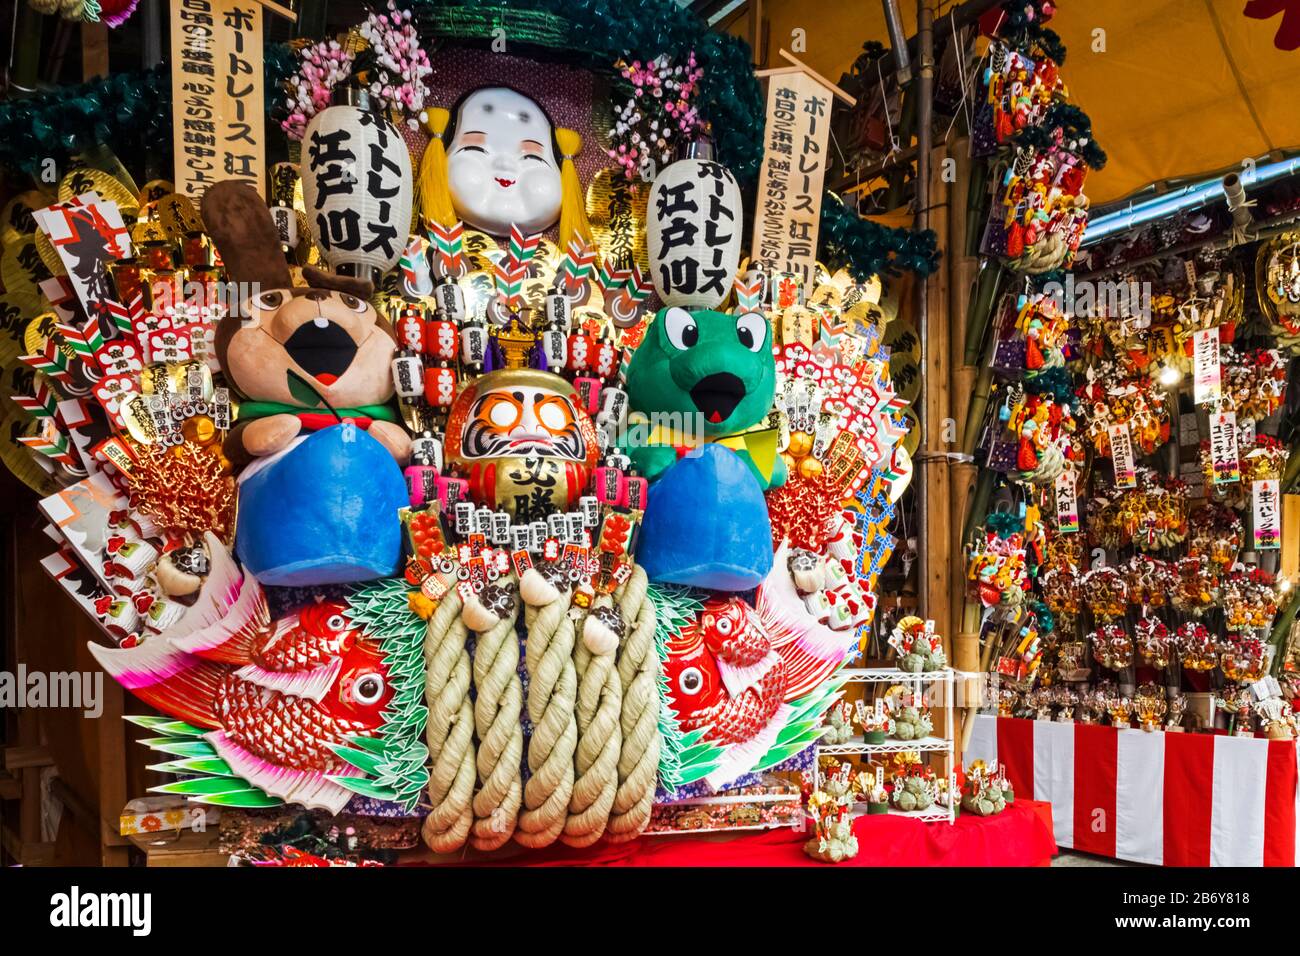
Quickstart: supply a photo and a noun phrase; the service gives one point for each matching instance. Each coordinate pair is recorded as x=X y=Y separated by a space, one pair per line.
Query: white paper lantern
x=356 y=185
x=693 y=232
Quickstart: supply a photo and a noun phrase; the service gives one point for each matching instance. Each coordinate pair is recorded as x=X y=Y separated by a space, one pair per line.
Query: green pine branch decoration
x=683 y=757
x=395 y=761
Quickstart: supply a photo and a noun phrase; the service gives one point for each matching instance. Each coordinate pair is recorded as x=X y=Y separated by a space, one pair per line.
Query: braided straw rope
x=497 y=707
x=552 y=693
x=600 y=701
x=449 y=729
x=638 y=670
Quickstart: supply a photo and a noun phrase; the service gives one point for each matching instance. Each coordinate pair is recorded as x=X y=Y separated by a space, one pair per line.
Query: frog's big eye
x=681 y=329
x=751 y=330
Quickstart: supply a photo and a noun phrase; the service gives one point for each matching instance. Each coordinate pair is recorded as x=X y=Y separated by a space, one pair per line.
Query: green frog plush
x=700 y=379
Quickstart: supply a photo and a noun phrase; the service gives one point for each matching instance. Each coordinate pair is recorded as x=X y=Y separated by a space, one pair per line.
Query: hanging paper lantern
x=356 y=185
x=693 y=233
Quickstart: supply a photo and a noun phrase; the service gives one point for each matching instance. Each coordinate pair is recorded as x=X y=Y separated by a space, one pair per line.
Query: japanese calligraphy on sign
x=1206 y=387
x=218 y=106
x=1067 y=502
x=1122 y=457
x=88 y=234
x=1267 y=509
x=788 y=207
x=1224 y=454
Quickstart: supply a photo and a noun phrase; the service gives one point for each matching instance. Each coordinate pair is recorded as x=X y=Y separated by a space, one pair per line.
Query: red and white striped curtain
x=1164 y=799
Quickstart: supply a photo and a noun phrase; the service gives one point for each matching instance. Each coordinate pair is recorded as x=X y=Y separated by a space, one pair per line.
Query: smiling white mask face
x=500 y=164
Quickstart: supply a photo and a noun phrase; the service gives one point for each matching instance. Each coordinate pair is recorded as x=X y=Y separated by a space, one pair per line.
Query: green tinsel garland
x=1056 y=382
x=130 y=113
x=867 y=248
x=1073 y=125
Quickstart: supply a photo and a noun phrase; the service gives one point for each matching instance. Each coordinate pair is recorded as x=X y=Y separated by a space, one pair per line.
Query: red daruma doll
x=523 y=443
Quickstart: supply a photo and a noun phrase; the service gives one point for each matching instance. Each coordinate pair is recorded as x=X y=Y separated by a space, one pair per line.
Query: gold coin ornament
x=901 y=339
x=616 y=208
x=906 y=376
x=147 y=230
x=305 y=253
x=912 y=440
x=78 y=182
x=154 y=190
x=22 y=270
x=49 y=255
x=481 y=250
x=12 y=316
x=17 y=220
x=478 y=288
x=178 y=215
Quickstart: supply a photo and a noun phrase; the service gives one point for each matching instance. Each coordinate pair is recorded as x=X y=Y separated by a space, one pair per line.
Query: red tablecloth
x=1167 y=799
x=1019 y=836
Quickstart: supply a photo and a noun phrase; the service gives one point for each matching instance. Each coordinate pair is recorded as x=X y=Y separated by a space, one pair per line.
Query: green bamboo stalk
x=977 y=200
x=1281 y=630
x=979 y=503
x=986 y=294
x=979 y=404
x=27 y=48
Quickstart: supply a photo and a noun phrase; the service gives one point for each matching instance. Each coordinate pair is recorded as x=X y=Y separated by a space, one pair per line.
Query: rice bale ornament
x=523 y=442
x=706 y=523
x=321 y=488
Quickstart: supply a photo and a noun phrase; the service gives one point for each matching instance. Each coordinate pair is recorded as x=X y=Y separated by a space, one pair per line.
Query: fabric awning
x=1175 y=88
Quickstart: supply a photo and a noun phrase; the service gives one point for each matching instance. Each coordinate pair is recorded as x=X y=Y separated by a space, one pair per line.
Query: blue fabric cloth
x=706 y=524
x=325 y=513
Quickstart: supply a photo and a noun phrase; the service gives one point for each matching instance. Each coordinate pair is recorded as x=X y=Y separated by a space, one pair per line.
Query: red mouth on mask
x=505 y=183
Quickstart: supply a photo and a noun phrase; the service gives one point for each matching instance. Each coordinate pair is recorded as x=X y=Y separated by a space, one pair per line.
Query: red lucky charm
x=1026 y=457
x=1015 y=240
x=441 y=339
x=582 y=352
x=439 y=386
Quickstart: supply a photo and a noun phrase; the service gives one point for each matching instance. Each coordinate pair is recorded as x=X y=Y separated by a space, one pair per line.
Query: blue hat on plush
x=323 y=513
x=706 y=524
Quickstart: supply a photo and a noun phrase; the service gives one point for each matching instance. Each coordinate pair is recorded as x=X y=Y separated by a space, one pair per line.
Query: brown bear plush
x=301 y=357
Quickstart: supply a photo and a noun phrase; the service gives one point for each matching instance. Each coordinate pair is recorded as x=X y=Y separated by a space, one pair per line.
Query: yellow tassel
x=573 y=206
x=435 y=194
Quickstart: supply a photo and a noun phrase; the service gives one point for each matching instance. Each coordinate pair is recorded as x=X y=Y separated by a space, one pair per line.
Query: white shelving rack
x=945 y=744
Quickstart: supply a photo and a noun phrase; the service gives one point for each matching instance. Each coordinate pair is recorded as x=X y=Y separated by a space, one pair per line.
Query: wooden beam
x=112 y=776
x=798 y=66
x=23 y=757
x=279 y=10
x=26 y=852
x=94 y=50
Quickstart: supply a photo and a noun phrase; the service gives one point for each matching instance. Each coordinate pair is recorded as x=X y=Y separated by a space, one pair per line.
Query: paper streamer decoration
x=694 y=220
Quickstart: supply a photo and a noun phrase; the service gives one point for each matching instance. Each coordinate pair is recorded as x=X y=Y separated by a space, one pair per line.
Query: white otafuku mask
x=501 y=165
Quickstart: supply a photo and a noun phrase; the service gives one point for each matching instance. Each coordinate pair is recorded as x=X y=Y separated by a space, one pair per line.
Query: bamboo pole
x=963 y=473
x=934 y=463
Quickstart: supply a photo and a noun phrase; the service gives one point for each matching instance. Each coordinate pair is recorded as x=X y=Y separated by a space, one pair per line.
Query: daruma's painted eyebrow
x=479 y=133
